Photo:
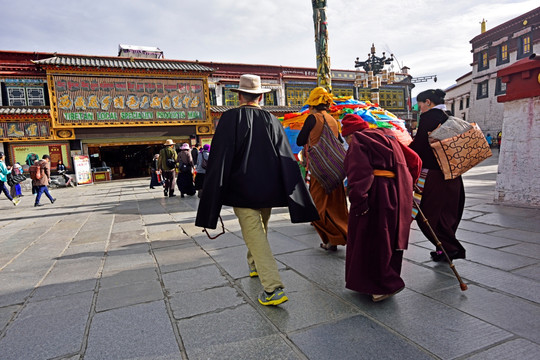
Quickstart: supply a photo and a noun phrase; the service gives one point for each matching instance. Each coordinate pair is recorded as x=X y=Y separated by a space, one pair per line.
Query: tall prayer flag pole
x=324 y=76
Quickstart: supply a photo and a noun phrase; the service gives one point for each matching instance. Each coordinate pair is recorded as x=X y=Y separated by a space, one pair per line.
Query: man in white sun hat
x=167 y=165
x=252 y=168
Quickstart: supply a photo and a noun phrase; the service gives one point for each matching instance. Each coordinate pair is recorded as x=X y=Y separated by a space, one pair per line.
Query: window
x=25 y=96
x=460 y=104
x=389 y=99
x=342 y=91
x=213 y=100
x=230 y=98
x=524 y=46
x=452 y=108
x=502 y=54
x=483 y=60
x=482 y=90
x=500 y=87
x=467 y=103
x=297 y=95
x=270 y=98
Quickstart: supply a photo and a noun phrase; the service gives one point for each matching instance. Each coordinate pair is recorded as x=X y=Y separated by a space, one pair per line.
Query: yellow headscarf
x=319 y=95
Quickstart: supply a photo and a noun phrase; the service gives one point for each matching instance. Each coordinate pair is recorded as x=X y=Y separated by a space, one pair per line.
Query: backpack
x=171 y=163
x=184 y=168
x=35 y=172
x=204 y=162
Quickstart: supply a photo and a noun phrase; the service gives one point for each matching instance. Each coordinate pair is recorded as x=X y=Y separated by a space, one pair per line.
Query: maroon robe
x=377 y=238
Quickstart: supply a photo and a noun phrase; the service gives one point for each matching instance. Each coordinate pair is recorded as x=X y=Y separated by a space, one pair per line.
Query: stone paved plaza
x=117 y=271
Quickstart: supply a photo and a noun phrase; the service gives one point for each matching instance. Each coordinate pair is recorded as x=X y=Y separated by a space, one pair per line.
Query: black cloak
x=251 y=165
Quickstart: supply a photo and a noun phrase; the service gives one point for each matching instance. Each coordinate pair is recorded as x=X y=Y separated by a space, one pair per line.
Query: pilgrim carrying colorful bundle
x=326 y=160
x=458 y=146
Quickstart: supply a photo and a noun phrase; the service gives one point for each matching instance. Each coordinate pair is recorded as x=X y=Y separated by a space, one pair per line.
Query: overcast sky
x=430 y=37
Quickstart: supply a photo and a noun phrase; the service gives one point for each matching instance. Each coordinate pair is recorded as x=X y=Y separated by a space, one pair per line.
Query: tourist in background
x=4 y=170
x=15 y=190
x=202 y=161
x=167 y=166
x=41 y=184
x=185 y=171
x=154 y=172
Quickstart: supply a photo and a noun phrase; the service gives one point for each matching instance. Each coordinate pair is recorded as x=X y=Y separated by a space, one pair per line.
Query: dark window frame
x=521 y=40
x=481 y=65
x=480 y=94
x=212 y=97
x=460 y=104
x=500 y=59
x=500 y=87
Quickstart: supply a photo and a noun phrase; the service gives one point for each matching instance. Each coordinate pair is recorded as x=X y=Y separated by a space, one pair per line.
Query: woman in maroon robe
x=380 y=174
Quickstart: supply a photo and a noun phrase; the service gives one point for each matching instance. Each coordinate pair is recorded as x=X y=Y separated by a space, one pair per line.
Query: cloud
x=430 y=37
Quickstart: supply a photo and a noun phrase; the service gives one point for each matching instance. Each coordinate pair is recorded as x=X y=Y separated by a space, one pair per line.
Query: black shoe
x=52 y=201
x=38 y=205
x=165 y=192
x=439 y=255
x=151 y=187
x=182 y=195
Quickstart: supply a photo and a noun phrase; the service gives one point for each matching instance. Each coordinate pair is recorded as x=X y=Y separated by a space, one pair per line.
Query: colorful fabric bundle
x=368 y=111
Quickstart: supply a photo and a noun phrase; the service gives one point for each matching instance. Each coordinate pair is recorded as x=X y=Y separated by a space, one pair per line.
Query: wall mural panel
x=24 y=130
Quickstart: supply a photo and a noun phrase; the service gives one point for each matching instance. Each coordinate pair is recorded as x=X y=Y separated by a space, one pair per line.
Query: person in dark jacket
x=252 y=168
x=442 y=200
x=185 y=171
x=154 y=171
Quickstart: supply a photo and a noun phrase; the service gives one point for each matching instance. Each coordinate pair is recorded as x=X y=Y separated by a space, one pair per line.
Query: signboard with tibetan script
x=82 y=100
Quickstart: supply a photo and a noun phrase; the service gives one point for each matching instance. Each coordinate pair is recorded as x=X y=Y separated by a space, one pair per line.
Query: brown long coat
x=45 y=174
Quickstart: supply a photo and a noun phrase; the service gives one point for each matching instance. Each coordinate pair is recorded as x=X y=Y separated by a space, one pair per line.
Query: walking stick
x=437 y=243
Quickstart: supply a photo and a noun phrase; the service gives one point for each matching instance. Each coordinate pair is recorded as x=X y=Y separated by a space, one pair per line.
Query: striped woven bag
x=326 y=160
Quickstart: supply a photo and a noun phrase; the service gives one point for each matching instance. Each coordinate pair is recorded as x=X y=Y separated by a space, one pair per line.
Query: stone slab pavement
x=116 y=271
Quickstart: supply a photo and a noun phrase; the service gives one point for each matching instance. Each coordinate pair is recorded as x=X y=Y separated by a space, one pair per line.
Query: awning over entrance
x=157 y=140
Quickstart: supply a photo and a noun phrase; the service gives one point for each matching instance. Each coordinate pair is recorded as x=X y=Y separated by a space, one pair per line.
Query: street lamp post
x=374 y=66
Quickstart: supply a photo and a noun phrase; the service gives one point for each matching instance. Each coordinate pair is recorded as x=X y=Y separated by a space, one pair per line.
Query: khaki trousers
x=254 y=225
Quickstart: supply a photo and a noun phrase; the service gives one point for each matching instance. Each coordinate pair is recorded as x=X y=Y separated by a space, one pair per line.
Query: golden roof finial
x=483 y=26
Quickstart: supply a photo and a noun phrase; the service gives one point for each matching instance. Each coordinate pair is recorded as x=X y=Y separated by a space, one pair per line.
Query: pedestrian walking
x=195 y=152
x=332 y=207
x=185 y=171
x=41 y=182
x=252 y=168
x=4 y=170
x=154 y=172
x=202 y=163
x=442 y=200
x=489 y=140
x=167 y=166
x=15 y=190
x=380 y=176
